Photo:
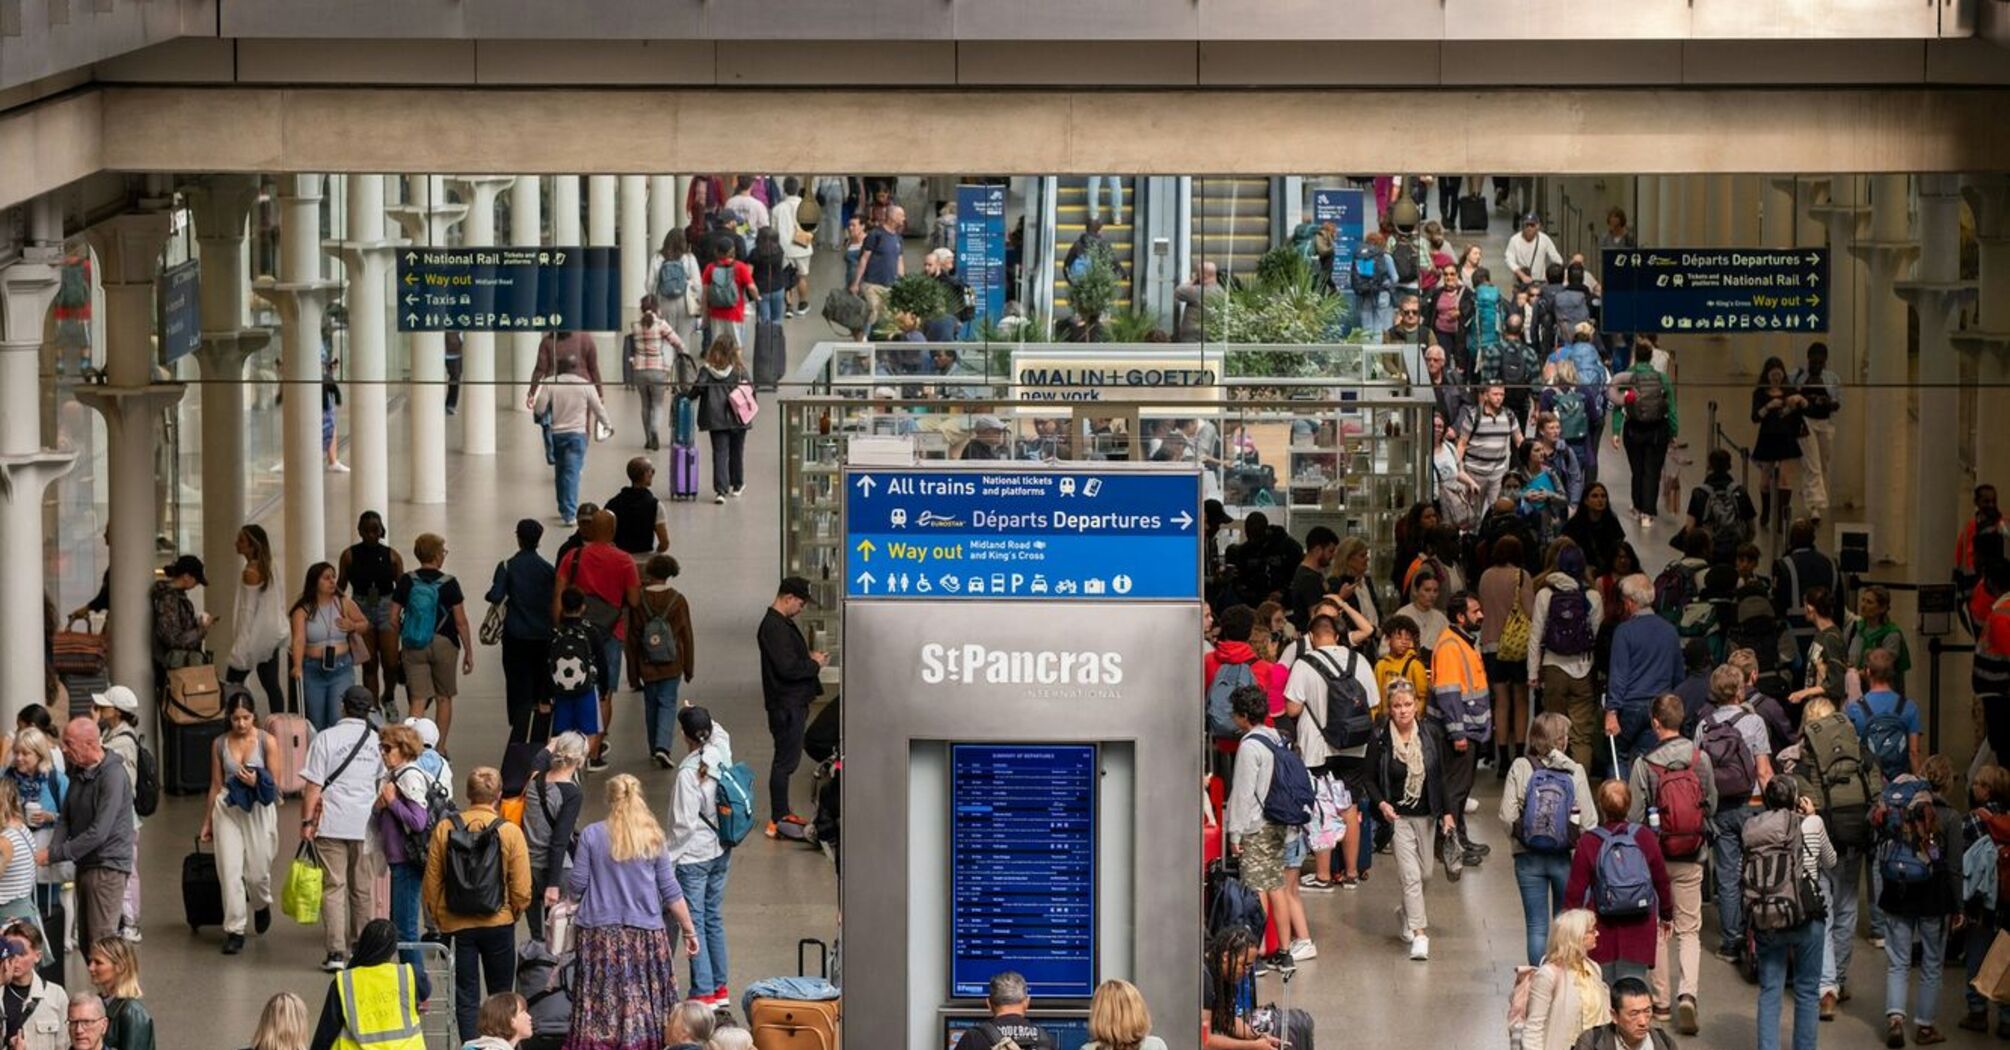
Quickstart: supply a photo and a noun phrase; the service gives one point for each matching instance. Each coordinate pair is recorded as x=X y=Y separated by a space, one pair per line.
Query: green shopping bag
x=301 y=897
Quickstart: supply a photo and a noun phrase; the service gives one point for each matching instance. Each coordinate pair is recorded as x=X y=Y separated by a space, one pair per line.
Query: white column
x=662 y=208
x=301 y=296
x=1847 y=220
x=128 y=251
x=1939 y=295
x=222 y=203
x=1884 y=435
x=635 y=246
x=526 y=228
x=1989 y=340
x=565 y=231
x=1776 y=230
x=478 y=349
x=428 y=220
x=370 y=257
x=1667 y=212
x=600 y=227
x=27 y=288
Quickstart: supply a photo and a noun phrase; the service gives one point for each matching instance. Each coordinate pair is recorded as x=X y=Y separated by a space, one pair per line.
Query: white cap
x=429 y=734
x=117 y=696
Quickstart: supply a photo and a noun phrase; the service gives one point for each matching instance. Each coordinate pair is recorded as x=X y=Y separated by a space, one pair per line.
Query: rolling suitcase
x=683 y=472
x=684 y=420
x=1472 y=214
x=797 y=1024
x=771 y=354
x=187 y=751
x=201 y=890
x=294 y=733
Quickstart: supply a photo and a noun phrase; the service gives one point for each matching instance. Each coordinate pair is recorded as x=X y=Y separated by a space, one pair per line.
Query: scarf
x=1410 y=752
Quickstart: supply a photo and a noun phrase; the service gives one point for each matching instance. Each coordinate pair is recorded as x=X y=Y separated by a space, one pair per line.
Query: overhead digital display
x=1022 y=845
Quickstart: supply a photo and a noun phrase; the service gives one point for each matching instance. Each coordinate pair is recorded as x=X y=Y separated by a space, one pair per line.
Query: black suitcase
x=1472 y=214
x=771 y=354
x=821 y=738
x=201 y=890
x=187 y=755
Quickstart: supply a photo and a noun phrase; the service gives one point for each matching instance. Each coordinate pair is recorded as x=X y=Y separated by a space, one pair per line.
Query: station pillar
x=428 y=221
x=478 y=349
x=601 y=223
x=27 y=288
x=1840 y=207
x=1939 y=295
x=663 y=203
x=526 y=228
x=1989 y=338
x=128 y=248
x=635 y=246
x=1888 y=256
x=370 y=257
x=301 y=296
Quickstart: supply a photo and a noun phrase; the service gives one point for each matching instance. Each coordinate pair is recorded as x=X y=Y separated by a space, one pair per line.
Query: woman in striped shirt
x=652 y=362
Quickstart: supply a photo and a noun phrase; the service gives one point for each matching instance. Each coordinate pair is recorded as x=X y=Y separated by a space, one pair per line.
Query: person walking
x=1406 y=784
x=551 y=805
x=1562 y=644
x=258 y=626
x=661 y=652
x=368 y=571
x=1618 y=873
x=461 y=884
x=1917 y=898
x=401 y=815
x=675 y=284
x=342 y=771
x=727 y=287
x=1567 y=996
x=1790 y=832
x=95 y=832
x=1462 y=703
x=242 y=819
x=1632 y=1026
x=323 y=622
x=791 y=677
x=796 y=220
x=1822 y=391
x=1778 y=408
x=609 y=587
x=574 y=406
x=431 y=616
x=523 y=584
x=652 y=342
x=627 y=888
x=772 y=277
x=373 y=1001
x=1546 y=804
x=723 y=373
x=114 y=966
x=1646 y=662
x=1643 y=398
x=1740 y=750
x=702 y=860
x=1674 y=792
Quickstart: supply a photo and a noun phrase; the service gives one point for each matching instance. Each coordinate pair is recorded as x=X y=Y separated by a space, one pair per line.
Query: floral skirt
x=626 y=986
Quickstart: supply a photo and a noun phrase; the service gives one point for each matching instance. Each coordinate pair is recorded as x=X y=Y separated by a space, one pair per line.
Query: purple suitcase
x=683 y=472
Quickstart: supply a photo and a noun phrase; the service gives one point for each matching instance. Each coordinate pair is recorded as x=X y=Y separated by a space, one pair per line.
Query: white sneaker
x=719 y=497
x=1304 y=949
x=338 y=467
x=1420 y=948
x=1472 y=806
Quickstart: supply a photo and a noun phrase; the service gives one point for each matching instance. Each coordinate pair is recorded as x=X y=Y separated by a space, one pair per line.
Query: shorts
x=1263 y=859
x=576 y=714
x=377 y=611
x=434 y=670
x=1506 y=672
x=1295 y=848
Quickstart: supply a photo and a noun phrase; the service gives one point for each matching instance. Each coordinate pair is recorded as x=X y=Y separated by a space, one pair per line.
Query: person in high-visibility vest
x=374 y=1001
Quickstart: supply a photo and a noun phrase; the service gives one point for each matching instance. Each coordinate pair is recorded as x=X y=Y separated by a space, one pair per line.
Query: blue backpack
x=1487 y=318
x=1227 y=679
x=1622 y=886
x=1291 y=796
x=1545 y=812
x=671 y=281
x=1369 y=278
x=1886 y=739
x=422 y=612
x=1572 y=414
x=1910 y=830
x=734 y=805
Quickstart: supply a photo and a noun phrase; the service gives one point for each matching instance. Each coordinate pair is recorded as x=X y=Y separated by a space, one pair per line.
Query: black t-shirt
x=1029 y=1036
x=450 y=596
x=1308 y=585
x=16 y=999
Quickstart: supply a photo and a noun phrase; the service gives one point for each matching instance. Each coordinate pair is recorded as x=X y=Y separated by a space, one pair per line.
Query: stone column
x=128 y=249
x=301 y=296
x=1938 y=293
x=221 y=204
x=478 y=349
x=27 y=288
x=428 y=220
x=1839 y=207
x=600 y=227
x=1989 y=340
x=370 y=257
x=1882 y=438
x=1667 y=212
x=526 y=228
x=635 y=246
x=1776 y=230
x=663 y=201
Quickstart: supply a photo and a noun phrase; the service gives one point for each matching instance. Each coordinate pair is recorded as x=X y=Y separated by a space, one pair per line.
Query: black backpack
x=146 y=776
x=1404 y=255
x=473 y=870
x=1347 y=723
x=439 y=806
x=574 y=661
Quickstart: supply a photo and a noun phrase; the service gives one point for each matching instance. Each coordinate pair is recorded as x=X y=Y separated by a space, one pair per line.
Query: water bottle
x=1654 y=819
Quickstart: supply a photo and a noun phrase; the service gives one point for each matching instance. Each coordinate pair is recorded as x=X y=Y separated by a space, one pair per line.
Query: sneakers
x=1303 y=949
x=1926 y=1035
x=261 y=920
x=1350 y=882
x=1729 y=955
x=791 y=818
x=333 y=963
x=1282 y=961
x=718 y=497
x=1894 y=1031
x=338 y=467
x=1877 y=941
x=736 y=490
x=129 y=932
x=1829 y=1012
x=1685 y=1015
x=598 y=763
x=1420 y=948
x=1472 y=806
x=1315 y=884
x=662 y=757
x=233 y=943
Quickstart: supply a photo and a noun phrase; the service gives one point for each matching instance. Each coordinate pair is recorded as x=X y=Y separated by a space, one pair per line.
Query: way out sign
x=1716 y=289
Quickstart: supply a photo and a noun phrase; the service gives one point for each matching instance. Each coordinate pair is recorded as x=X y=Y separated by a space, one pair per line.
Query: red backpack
x=1678 y=795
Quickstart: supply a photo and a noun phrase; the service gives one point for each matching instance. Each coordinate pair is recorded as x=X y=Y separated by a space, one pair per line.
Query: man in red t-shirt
x=728 y=276
x=606 y=576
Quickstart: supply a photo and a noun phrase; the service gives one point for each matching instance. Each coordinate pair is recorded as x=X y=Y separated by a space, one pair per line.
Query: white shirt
x=784 y=215
x=1533 y=256
x=755 y=214
x=693 y=840
x=346 y=803
x=573 y=403
x=1308 y=687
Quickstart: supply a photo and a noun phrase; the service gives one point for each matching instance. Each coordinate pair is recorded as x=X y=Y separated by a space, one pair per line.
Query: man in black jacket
x=789 y=681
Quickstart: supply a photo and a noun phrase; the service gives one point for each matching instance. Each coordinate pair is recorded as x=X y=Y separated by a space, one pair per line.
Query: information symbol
x=1121 y=584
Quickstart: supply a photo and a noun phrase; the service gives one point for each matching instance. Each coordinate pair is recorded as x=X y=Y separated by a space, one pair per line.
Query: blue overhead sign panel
x=178 y=304
x=1716 y=289
x=1048 y=535
x=1346 y=209
x=980 y=246
x=509 y=290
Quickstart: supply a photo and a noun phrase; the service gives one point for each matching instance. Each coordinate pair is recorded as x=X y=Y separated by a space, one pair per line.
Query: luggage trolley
x=436 y=1025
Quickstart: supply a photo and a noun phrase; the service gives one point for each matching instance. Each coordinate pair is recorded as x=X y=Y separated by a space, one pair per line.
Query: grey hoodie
x=1673 y=753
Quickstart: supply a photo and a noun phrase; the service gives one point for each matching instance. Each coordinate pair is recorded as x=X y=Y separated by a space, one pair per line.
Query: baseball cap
x=428 y=730
x=188 y=565
x=986 y=423
x=796 y=587
x=117 y=696
x=12 y=948
x=358 y=700
x=1531 y=219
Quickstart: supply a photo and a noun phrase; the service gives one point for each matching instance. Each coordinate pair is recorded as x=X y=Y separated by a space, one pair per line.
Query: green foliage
x=920 y=295
x=1131 y=326
x=1284 y=267
x=1090 y=295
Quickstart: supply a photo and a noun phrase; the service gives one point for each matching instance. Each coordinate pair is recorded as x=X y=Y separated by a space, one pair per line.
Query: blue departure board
x=1022 y=845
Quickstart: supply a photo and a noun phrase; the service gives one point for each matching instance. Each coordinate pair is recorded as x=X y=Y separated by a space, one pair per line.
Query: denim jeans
x=1636 y=733
x=406 y=880
x=1373 y=313
x=1728 y=846
x=704 y=885
x=1802 y=947
x=768 y=308
x=610 y=669
x=1899 y=933
x=1839 y=885
x=322 y=690
x=544 y=428
x=1541 y=878
x=570 y=448
x=659 y=712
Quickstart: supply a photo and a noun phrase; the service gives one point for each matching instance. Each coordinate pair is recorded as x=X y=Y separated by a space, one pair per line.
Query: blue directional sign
x=1346 y=208
x=1045 y=535
x=980 y=246
x=509 y=290
x=1716 y=289
x=178 y=306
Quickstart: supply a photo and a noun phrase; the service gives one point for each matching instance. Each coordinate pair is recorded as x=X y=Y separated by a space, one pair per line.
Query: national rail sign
x=1716 y=290
x=509 y=290
x=1045 y=535
x=178 y=306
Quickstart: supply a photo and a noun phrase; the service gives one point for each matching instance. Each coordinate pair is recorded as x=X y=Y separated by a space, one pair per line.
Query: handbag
x=745 y=405
x=300 y=899
x=803 y=238
x=193 y=695
x=561 y=924
x=79 y=652
x=492 y=621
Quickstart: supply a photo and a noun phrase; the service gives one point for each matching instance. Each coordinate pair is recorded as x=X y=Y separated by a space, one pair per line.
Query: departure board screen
x=1022 y=845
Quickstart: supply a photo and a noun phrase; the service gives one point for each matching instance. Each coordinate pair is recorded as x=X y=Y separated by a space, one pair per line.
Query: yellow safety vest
x=379 y=1010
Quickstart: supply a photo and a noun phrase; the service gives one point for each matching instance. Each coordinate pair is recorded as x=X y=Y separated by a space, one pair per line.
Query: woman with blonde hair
x=1119 y=1019
x=1567 y=996
x=17 y=860
x=114 y=966
x=282 y=1025
x=626 y=885
x=35 y=773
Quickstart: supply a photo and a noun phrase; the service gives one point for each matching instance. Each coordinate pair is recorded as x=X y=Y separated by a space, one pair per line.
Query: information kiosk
x=1022 y=735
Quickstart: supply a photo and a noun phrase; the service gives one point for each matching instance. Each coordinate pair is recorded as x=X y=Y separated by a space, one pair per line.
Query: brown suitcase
x=794 y=1024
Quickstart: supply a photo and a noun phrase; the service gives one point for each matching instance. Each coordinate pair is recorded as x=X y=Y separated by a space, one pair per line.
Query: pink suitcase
x=293 y=734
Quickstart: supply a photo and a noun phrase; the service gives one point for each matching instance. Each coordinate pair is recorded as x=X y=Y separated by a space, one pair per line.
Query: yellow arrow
x=1814 y=300
x=865 y=549
x=411 y=279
